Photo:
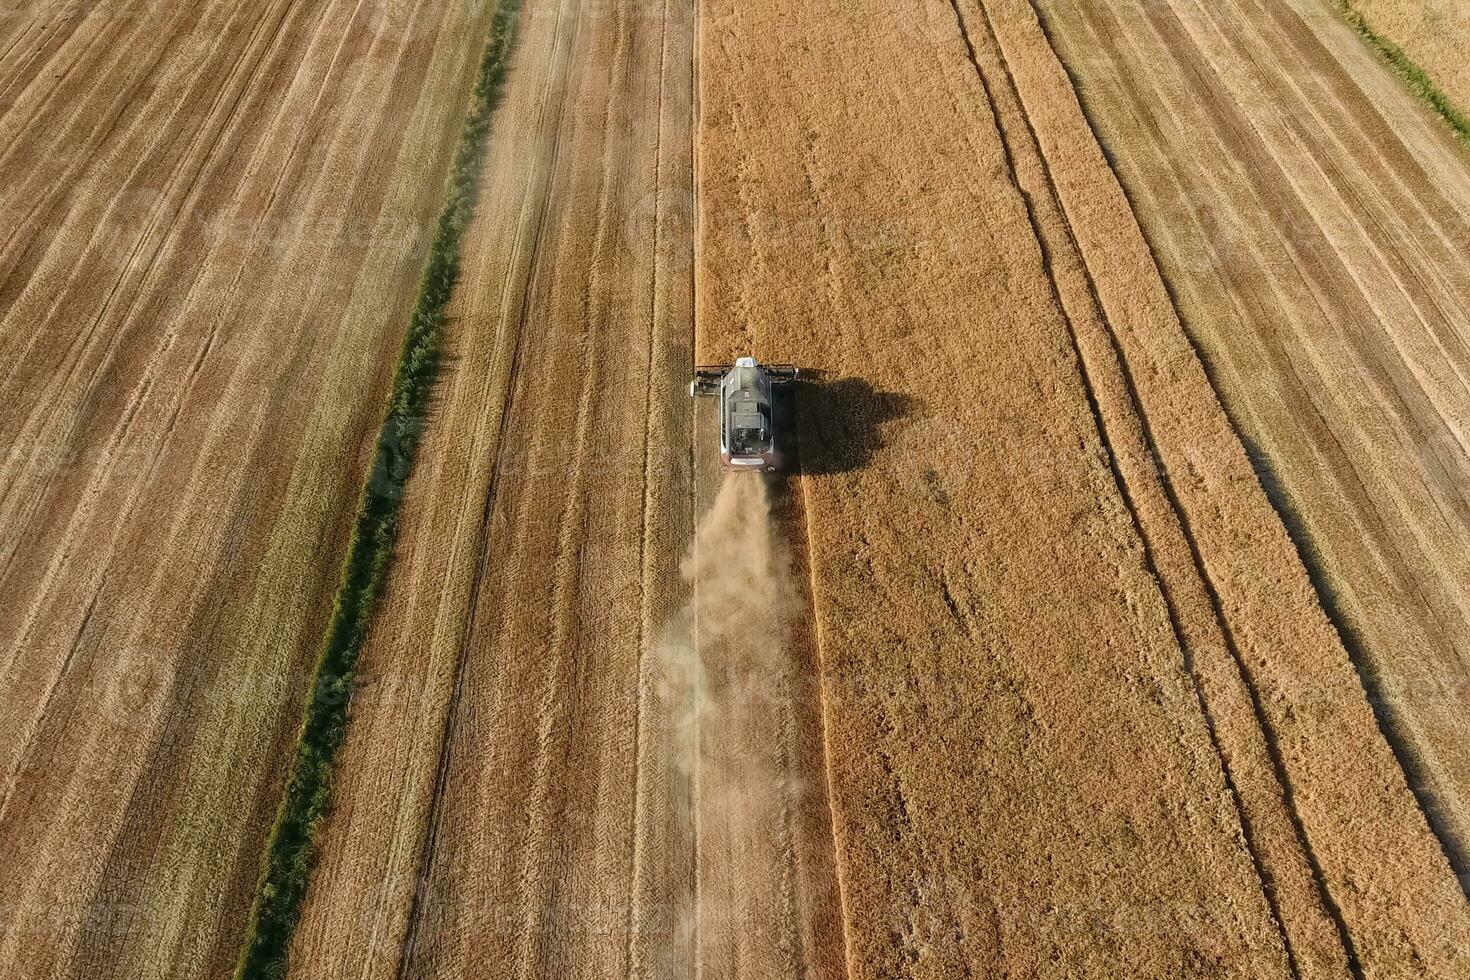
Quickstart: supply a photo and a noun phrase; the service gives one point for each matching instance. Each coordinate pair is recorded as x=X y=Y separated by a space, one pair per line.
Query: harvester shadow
x=839 y=423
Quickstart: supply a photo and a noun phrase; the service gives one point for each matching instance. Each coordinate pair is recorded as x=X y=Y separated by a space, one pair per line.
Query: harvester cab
x=749 y=439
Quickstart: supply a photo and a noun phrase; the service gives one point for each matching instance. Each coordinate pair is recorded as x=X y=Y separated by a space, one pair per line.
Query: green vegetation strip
x=291 y=850
x=1404 y=67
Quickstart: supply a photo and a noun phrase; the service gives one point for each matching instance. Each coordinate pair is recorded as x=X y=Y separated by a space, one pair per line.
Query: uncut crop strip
x=951 y=689
x=930 y=534
x=1317 y=944
x=290 y=852
x=1310 y=762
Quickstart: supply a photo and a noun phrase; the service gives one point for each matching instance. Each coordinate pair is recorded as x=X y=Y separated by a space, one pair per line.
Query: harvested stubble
x=215 y=216
x=516 y=794
x=500 y=809
x=291 y=848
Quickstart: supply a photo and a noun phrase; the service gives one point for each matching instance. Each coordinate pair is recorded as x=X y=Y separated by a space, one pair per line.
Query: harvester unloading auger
x=748 y=422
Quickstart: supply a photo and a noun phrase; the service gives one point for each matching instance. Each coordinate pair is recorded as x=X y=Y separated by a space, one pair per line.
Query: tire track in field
x=1149 y=450
x=104 y=472
x=1317 y=260
x=1291 y=147
x=17 y=38
x=1156 y=479
x=95 y=252
x=537 y=700
x=956 y=915
x=183 y=726
x=1267 y=878
x=42 y=59
x=165 y=224
x=531 y=702
x=539 y=892
x=189 y=180
x=85 y=145
x=1306 y=756
x=1389 y=542
x=867 y=284
x=1444 y=459
x=1300 y=405
x=1351 y=165
x=647 y=625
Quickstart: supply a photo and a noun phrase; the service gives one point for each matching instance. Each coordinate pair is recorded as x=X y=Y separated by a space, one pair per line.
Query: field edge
x=1407 y=70
x=290 y=852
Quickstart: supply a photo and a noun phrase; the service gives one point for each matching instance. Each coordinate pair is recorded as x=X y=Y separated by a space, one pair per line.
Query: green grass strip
x=1405 y=68
x=291 y=850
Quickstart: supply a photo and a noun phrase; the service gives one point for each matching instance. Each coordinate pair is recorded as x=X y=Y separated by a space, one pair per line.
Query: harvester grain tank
x=749 y=436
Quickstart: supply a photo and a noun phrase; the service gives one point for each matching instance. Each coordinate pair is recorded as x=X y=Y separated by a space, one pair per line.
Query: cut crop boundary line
x=1408 y=70
x=291 y=851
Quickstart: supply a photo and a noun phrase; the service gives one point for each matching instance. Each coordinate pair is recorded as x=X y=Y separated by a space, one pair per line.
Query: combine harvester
x=747 y=410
